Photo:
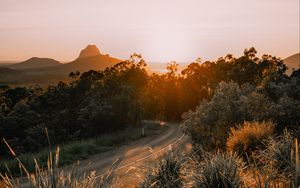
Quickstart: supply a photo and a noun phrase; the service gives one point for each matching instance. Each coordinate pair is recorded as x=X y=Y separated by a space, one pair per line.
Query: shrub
x=248 y=137
x=280 y=157
x=219 y=170
x=168 y=174
x=231 y=104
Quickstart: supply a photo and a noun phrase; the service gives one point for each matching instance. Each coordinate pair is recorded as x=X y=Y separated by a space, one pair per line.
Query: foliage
x=248 y=137
x=94 y=103
x=219 y=170
x=280 y=156
x=168 y=173
x=52 y=176
x=275 y=166
x=78 y=150
x=232 y=104
x=209 y=124
x=216 y=95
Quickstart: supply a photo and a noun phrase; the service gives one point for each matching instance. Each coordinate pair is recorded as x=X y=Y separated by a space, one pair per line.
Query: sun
x=165 y=45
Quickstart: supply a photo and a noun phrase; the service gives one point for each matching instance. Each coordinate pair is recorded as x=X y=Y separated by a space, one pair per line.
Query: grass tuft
x=248 y=137
x=53 y=177
x=280 y=159
x=219 y=169
x=168 y=173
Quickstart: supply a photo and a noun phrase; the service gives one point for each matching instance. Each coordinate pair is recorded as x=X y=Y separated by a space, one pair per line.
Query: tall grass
x=248 y=137
x=219 y=169
x=276 y=165
x=280 y=161
x=78 y=150
x=52 y=176
x=168 y=174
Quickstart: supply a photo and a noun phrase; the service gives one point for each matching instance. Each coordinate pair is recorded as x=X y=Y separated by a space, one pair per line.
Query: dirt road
x=132 y=161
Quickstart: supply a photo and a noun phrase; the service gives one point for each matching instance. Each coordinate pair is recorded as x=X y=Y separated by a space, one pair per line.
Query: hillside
x=35 y=62
x=292 y=62
x=6 y=63
x=46 y=71
x=98 y=62
x=89 y=58
x=4 y=72
x=8 y=75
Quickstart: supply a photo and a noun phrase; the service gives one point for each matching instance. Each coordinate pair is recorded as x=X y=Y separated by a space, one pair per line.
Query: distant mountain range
x=90 y=58
x=46 y=70
x=35 y=69
x=292 y=62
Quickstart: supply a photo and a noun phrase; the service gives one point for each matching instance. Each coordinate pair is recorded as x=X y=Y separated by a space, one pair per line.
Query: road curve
x=131 y=161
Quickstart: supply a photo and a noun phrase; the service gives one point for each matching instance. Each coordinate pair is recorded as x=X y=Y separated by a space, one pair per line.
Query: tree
x=172 y=68
x=16 y=94
x=74 y=75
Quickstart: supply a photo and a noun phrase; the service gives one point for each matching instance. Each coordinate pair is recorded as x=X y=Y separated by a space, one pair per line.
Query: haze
x=160 y=30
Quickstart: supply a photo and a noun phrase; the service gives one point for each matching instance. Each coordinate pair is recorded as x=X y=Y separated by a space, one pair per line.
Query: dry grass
x=79 y=150
x=274 y=166
x=279 y=162
x=248 y=137
x=168 y=174
x=53 y=177
x=219 y=169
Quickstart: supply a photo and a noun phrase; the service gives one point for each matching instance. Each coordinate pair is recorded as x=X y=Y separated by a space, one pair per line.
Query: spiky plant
x=219 y=169
x=167 y=175
x=279 y=161
x=281 y=158
x=274 y=173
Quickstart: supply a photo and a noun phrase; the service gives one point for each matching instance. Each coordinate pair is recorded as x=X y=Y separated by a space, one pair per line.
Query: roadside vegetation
x=273 y=166
x=79 y=150
x=243 y=112
x=245 y=134
x=52 y=176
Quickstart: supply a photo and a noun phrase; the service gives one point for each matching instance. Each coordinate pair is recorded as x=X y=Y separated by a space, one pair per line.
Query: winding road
x=131 y=162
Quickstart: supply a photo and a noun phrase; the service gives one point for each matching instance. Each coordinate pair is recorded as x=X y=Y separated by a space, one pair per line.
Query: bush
x=248 y=137
x=211 y=120
x=231 y=104
x=279 y=157
x=167 y=175
x=219 y=170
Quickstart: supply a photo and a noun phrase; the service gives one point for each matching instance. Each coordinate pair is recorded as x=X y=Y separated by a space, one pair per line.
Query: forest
x=213 y=100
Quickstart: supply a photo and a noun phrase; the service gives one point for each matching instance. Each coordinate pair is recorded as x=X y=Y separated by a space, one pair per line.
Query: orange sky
x=162 y=30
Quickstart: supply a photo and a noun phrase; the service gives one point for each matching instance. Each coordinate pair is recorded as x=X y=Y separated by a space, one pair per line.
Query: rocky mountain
x=49 y=71
x=35 y=62
x=292 y=62
x=89 y=58
x=99 y=62
x=89 y=51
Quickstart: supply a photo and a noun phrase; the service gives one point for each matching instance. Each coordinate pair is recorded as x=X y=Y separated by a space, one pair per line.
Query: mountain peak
x=89 y=51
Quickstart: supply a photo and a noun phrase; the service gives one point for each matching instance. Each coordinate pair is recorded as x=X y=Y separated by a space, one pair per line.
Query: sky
x=161 y=30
